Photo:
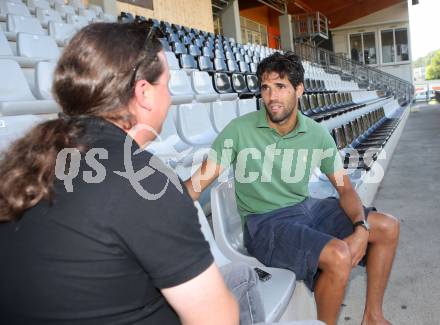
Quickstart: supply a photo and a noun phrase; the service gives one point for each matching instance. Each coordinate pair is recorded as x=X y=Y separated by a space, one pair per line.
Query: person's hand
x=357 y=243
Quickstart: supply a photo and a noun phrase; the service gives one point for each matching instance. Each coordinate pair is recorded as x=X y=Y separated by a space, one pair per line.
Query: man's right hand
x=202 y=178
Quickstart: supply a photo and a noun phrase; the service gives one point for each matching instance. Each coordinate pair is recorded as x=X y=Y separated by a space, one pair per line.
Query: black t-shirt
x=100 y=253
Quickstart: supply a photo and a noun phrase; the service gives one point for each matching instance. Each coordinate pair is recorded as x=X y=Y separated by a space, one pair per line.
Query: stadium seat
x=180 y=88
x=246 y=106
x=229 y=238
x=14 y=127
x=223 y=112
x=34 y=4
x=16 y=24
x=77 y=4
x=13 y=8
x=202 y=86
x=37 y=47
x=15 y=96
x=77 y=21
x=44 y=16
x=43 y=79
x=88 y=13
x=61 y=32
x=64 y=9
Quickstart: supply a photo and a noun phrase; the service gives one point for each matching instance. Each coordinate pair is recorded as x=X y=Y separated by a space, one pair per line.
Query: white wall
x=392 y=17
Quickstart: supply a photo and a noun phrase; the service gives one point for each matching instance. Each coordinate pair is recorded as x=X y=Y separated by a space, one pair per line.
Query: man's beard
x=281 y=116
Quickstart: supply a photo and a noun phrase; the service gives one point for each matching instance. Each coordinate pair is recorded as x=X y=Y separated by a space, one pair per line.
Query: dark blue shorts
x=293 y=237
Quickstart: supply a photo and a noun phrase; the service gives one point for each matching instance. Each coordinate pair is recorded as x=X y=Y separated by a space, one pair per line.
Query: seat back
x=24 y=24
x=223 y=112
x=246 y=106
x=172 y=60
x=222 y=83
x=194 y=124
x=13 y=84
x=43 y=79
x=44 y=16
x=205 y=63
x=202 y=86
x=35 y=4
x=13 y=8
x=239 y=83
x=62 y=32
x=224 y=206
x=180 y=87
x=78 y=21
x=15 y=127
x=5 y=49
x=187 y=61
x=37 y=46
x=64 y=10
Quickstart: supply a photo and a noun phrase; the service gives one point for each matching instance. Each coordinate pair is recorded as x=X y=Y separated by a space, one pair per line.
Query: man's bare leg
x=384 y=237
x=335 y=266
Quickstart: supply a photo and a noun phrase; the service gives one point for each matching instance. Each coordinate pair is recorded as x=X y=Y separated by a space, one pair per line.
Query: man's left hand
x=357 y=242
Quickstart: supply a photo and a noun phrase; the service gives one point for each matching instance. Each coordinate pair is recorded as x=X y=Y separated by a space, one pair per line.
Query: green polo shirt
x=273 y=171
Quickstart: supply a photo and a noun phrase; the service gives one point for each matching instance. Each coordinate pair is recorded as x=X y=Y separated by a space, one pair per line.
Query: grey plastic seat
x=44 y=16
x=97 y=9
x=34 y=4
x=194 y=124
x=88 y=13
x=229 y=237
x=202 y=85
x=43 y=79
x=77 y=21
x=16 y=24
x=246 y=106
x=16 y=97
x=276 y=292
x=13 y=8
x=77 y=4
x=172 y=60
x=5 y=49
x=61 y=32
x=64 y=9
x=109 y=18
x=223 y=112
x=180 y=87
x=14 y=127
x=37 y=47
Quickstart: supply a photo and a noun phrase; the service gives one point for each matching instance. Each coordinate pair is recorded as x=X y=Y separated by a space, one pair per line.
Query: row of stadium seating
x=212 y=82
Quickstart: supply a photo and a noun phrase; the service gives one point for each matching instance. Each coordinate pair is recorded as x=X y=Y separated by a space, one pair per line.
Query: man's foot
x=375 y=321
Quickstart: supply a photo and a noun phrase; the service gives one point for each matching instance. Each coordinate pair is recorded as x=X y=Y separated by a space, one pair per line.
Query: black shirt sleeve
x=158 y=223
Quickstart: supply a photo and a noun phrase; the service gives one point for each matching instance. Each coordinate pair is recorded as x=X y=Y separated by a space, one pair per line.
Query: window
x=253 y=32
x=363 y=48
x=394 y=45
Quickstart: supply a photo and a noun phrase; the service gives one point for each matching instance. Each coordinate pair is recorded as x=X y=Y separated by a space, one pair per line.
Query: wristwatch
x=362 y=223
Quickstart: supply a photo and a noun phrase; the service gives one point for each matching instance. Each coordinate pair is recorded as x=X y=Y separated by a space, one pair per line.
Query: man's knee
x=336 y=258
x=386 y=227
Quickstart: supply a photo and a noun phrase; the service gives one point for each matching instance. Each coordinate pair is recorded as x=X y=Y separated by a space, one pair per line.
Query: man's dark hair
x=287 y=64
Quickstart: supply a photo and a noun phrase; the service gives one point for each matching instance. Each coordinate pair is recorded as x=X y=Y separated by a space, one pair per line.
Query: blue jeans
x=241 y=280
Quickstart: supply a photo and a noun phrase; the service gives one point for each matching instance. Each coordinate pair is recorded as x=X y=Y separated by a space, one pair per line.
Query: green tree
x=433 y=70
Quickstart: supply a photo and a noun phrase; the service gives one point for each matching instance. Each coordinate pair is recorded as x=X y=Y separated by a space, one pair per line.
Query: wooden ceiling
x=339 y=12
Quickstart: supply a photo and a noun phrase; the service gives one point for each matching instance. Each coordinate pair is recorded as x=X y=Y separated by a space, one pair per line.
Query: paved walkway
x=411 y=192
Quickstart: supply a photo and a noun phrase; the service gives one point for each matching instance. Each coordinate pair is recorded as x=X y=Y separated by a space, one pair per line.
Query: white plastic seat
x=89 y=14
x=44 y=16
x=180 y=87
x=202 y=85
x=61 y=32
x=172 y=60
x=43 y=79
x=16 y=24
x=64 y=9
x=109 y=18
x=33 y=5
x=229 y=237
x=223 y=112
x=16 y=97
x=276 y=292
x=97 y=9
x=194 y=125
x=53 y=3
x=77 y=4
x=246 y=105
x=77 y=21
x=37 y=47
x=13 y=8
x=5 y=49
x=14 y=127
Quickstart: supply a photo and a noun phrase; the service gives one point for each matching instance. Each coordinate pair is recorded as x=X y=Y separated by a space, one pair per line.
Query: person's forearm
x=192 y=193
x=352 y=205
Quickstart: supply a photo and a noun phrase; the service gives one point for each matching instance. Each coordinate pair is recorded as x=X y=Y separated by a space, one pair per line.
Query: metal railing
x=309 y=26
x=367 y=77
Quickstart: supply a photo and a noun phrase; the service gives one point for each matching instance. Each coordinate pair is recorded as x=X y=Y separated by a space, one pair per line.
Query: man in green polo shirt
x=273 y=153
